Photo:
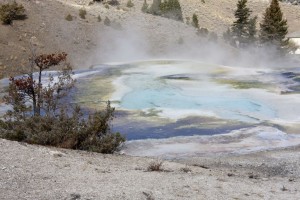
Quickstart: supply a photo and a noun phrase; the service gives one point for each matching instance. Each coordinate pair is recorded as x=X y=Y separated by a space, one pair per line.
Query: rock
x=230 y=174
x=75 y=196
x=56 y=154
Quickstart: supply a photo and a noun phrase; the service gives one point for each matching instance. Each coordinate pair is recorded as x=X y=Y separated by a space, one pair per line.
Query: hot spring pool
x=149 y=92
x=185 y=108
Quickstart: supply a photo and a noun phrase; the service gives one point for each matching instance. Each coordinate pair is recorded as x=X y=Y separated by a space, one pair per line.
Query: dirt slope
x=88 y=41
x=35 y=172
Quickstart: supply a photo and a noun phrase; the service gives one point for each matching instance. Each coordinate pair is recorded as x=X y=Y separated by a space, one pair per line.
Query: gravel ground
x=36 y=172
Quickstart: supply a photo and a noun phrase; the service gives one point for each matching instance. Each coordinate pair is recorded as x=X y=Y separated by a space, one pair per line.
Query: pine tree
x=155 y=7
x=252 y=29
x=227 y=35
x=195 y=21
x=145 y=6
x=240 y=26
x=274 y=28
x=171 y=9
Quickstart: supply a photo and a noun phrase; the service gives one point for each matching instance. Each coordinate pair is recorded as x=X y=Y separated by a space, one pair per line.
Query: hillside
x=42 y=172
x=89 y=42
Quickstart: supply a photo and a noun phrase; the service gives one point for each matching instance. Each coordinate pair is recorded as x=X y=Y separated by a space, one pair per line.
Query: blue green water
x=153 y=93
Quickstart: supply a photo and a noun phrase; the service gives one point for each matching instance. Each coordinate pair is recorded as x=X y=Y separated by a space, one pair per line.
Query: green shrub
x=82 y=13
x=195 y=22
x=187 y=20
x=155 y=166
x=155 y=8
x=203 y=32
x=99 y=18
x=185 y=169
x=64 y=130
x=107 y=21
x=116 y=25
x=180 y=40
x=129 y=4
x=168 y=8
x=40 y=115
x=69 y=17
x=171 y=9
x=113 y=2
x=145 y=6
x=213 y=37
x=10 y=12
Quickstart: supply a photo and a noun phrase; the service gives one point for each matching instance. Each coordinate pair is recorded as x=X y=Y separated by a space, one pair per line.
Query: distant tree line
x=272 y=32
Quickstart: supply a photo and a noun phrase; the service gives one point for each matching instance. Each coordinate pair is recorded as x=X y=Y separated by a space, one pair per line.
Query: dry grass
x=82 y=13
x=155 y=166
x=186 y=169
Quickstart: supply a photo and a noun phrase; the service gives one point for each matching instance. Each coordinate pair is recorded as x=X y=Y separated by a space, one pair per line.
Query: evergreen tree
x=227 y=35
x=155 y=7
x=145 y=6
x=171 y=9
x=195 y=21
x=240 y=26
x=252 y=29
x=274 y=28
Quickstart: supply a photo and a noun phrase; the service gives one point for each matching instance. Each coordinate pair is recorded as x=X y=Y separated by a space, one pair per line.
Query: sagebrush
x=155 y=166
x=82 y=13
x=10 y=12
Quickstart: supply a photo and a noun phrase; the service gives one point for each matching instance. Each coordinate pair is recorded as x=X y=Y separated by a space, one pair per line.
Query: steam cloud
x=138 y=41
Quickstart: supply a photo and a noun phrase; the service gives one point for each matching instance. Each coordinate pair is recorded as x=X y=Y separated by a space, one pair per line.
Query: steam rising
x=158 y=38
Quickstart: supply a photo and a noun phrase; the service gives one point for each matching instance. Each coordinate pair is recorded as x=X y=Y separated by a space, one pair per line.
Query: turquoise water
x=149 y=92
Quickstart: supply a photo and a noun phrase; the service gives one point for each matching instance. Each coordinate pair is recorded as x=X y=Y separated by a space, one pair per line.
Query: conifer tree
x=240 y=26
x=195 y=21
x=145 y=6
x=171 y=9
x=274 y=28
x=252 y=31
x=155 y=7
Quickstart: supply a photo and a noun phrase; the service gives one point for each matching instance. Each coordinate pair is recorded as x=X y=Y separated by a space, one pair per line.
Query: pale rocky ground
x=35 y=172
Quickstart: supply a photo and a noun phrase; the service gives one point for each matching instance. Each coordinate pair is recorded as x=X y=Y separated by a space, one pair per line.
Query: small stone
x=56 y=154
x=75 y=196
x=252 y=176
x=284 y=188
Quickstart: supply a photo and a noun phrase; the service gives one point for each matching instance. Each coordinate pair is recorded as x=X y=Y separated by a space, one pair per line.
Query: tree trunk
x=38 y=111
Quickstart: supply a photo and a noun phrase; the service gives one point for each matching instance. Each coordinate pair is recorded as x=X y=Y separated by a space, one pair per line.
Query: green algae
x=237 y=84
